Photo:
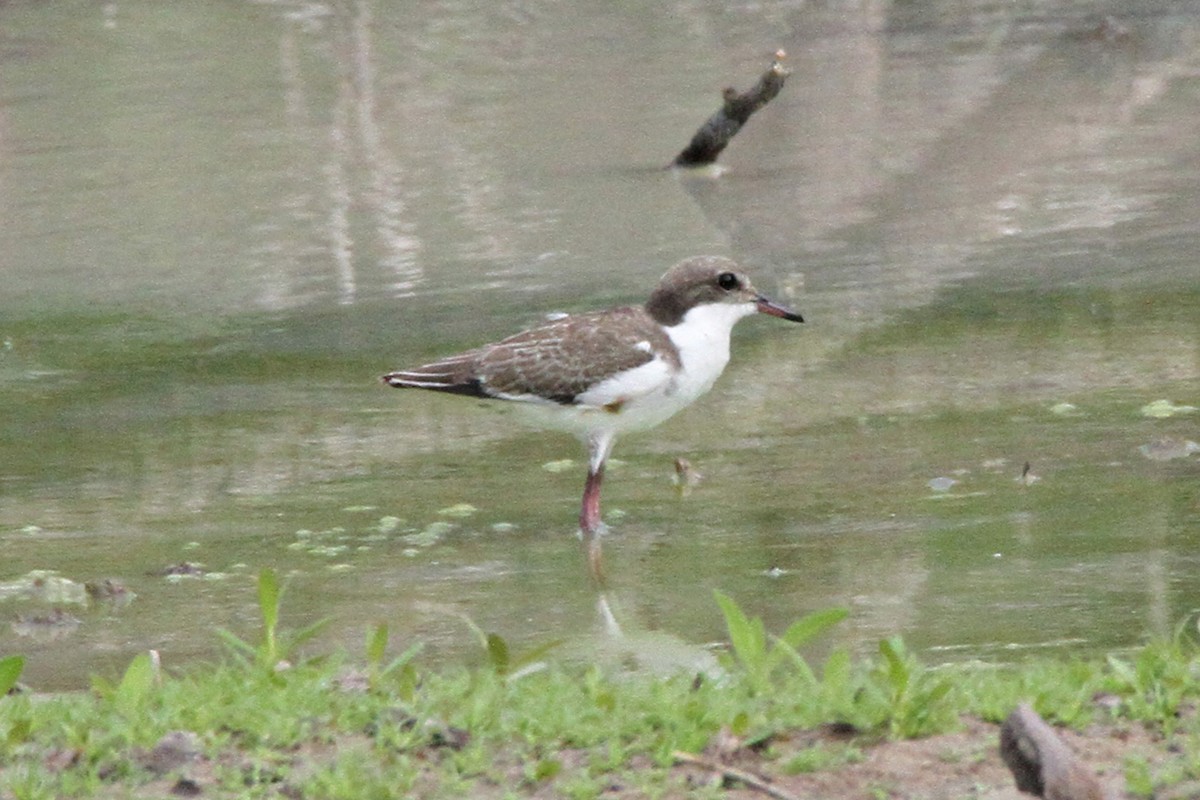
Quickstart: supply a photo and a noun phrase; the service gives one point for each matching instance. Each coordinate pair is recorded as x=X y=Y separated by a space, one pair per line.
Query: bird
x=604 y=373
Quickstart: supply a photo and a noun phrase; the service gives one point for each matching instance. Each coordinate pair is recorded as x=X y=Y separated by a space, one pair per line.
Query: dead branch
x=721 y=127
x=741 y=775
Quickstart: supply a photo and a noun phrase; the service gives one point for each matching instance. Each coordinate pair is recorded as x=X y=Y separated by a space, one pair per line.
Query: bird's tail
x=455 y=374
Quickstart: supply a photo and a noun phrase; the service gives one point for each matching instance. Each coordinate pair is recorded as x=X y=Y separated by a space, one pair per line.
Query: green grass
x=269 y=723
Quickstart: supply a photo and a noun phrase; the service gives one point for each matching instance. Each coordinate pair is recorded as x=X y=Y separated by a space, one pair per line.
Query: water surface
x=222 y=224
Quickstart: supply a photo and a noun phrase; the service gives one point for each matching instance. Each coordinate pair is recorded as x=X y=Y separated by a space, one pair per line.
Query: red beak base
x=766 y=306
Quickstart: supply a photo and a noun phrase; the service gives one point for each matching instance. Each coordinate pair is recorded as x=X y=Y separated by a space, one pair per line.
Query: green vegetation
x=267 y=723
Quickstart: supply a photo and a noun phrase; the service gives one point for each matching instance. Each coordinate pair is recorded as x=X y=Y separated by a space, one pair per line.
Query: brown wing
x=556 y=361
x=560 y=360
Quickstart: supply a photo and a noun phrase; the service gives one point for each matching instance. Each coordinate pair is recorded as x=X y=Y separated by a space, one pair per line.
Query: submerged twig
x=721 y=127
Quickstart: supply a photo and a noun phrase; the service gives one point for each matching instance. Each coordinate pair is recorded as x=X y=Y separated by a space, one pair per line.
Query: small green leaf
x=402 y=661
x=497 y=650
x=406 y=681
x=898 y=671
x=303 y=636
x=377 y=645
x=536 y=653
x=747 y=635
x=938 y=692
x=783 y=649
x=20 y=731
x=10 y=671
x=813 y=625
x=836 y=673
x=135 y=686
x=268 y=599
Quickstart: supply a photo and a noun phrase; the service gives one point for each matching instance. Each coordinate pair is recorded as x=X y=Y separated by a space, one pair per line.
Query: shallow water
x=222 y=224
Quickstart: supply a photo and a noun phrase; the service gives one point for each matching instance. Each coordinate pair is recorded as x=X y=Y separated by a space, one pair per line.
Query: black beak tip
x=766 y=306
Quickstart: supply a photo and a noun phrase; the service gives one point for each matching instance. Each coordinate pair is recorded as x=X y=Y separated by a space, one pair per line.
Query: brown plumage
x=548 y=362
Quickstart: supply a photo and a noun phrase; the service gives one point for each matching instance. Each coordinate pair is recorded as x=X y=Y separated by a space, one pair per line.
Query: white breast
x=702 y=339
x=647 y=395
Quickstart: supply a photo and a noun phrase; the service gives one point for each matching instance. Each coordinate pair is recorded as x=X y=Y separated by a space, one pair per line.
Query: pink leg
x=589 y=515
x=590 y=525
x=599 y=446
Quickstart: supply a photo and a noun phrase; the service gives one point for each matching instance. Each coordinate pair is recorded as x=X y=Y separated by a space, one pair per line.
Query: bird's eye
x=728 y=281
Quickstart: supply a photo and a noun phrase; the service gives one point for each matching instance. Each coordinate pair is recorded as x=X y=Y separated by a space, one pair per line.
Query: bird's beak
x=765 y=306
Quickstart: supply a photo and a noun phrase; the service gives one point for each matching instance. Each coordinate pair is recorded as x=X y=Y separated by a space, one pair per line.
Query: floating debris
x=1027 y=478
x=432 y=534
x=1064 y=409
x=685 y=476
x=503 y=527
x=184 y=569
x=458 y=511
x=46 y=627
x=1168 y=448
x=328 y=550
x=388 y=524
x=110 y=590
x=1162 y=409
x=941 y=484
x=45 y=586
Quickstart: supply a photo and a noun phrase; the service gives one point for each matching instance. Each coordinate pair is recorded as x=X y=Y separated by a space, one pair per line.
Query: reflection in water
x=987 y=217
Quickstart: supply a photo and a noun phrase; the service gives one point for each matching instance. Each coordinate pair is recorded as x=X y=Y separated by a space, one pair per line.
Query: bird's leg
x=599 y=446
x=589 y=514
x=590 y=526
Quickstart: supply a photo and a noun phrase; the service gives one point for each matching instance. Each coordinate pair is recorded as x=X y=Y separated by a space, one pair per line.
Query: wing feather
x=556 y=362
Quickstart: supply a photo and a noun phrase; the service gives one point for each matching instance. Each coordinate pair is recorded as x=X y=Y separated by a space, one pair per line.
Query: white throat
x=702 y=338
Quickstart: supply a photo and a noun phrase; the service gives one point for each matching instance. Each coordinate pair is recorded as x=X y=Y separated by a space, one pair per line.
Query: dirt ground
x=964 y=764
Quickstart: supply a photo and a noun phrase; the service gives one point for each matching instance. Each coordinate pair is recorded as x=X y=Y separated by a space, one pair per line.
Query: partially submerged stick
x=721 y=127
